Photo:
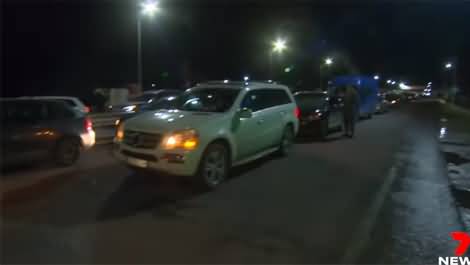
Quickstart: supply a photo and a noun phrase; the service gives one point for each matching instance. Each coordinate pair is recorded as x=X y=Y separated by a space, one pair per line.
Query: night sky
x=71 y=47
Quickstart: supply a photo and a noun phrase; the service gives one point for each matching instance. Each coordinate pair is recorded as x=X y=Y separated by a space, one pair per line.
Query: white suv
x=212 y=127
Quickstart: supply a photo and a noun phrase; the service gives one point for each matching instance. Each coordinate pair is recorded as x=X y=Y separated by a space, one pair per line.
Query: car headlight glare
x=120 y=132
x=187 y=139
x=131 y=108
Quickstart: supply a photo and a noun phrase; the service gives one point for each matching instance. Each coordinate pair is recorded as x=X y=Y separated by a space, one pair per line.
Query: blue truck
x=367 y=88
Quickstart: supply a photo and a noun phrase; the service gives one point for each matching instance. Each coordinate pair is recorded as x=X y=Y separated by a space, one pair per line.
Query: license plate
x=136 y=162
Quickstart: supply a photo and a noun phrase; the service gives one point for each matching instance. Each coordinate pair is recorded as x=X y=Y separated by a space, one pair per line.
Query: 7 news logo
x=464 y=243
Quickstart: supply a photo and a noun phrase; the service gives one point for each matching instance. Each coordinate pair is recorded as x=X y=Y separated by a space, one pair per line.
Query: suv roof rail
x=237 y=82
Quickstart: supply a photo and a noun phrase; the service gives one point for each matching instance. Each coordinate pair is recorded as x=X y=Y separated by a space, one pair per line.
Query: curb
x=459 y=183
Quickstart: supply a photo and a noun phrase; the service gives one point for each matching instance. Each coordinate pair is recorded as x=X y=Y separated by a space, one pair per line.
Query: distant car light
x=394 y=101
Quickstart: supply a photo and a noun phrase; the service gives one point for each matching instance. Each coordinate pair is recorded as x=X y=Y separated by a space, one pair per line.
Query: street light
x=148 y=8
x=389 y=81
x=246 y=78
x=279 y=45
x=376 y=77
x=327 y=62
x=452 y=69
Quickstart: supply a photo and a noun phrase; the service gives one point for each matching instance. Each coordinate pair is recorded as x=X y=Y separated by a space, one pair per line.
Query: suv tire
x=214 y=166
x=67 y=151
x=286 y=141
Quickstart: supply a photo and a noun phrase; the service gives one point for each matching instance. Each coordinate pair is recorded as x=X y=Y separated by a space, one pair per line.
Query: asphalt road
x=381 y=197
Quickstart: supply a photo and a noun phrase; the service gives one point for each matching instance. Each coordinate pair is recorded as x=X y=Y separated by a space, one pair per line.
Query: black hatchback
x=319 y=113
x=35 y=129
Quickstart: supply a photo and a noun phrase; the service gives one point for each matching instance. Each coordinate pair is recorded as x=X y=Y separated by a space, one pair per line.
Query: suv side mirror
x=245 y=113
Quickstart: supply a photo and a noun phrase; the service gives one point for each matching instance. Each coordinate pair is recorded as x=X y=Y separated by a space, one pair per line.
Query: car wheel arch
x=226 y=143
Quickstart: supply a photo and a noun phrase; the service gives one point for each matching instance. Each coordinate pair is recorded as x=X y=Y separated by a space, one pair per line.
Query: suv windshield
x=207 y=99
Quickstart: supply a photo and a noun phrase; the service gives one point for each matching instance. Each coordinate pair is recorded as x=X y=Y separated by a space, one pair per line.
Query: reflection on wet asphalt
x=305 y=208
x=420 y=213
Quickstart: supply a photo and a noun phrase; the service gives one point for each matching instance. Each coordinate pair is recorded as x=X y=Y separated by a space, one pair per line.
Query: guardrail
x=105 y=119
x=104 y=125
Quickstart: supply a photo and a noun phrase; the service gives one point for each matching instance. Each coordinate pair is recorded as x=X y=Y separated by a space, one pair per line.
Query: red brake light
x=86 y=109
x=88 y=124
x=297 y=112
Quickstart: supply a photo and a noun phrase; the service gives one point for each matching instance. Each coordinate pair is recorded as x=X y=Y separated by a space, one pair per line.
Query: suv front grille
x=141 y=139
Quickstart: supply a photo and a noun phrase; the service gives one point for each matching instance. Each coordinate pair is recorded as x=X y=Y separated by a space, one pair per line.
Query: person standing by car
x=350 y=109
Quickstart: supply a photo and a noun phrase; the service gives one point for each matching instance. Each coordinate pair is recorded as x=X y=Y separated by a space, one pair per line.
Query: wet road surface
x=319 y=205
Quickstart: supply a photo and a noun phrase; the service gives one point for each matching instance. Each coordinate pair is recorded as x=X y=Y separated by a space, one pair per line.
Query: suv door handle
x=260 y=121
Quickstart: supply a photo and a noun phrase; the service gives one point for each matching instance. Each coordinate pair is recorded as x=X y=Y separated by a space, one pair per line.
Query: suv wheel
x=67 y=151
x=214 y=166
x=286 y=141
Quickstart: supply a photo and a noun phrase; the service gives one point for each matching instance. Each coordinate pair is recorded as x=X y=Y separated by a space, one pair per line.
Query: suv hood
x=163 y=121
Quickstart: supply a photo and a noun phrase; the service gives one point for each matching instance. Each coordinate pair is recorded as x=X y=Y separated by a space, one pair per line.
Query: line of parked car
x=201 y=132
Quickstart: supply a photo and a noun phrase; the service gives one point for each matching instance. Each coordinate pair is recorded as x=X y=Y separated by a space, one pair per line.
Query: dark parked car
x=409 y=96
x=383 y=105
x=38 y=128
x=319 y=114
x=163 y=103
x=143 y=101
x=393 y=99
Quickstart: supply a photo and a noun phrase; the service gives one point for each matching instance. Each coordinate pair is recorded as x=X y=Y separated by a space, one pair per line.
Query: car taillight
x=86 y=109
x=88 y=124
x=297 y=112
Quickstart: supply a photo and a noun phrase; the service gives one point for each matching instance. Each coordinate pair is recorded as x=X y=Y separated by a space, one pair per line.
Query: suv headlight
x=187 y=140
x=120 y=132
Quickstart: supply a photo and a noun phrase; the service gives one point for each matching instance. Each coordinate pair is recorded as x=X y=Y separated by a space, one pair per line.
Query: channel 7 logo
x=464 y=242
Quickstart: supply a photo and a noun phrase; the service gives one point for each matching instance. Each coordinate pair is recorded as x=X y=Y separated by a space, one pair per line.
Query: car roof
x=30 y=99
x=307 y=92
x=249 y=85
x=52 y=97
x=158 y=91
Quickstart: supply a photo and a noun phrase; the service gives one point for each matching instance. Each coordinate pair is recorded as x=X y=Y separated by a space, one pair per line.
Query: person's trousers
x=349 y=124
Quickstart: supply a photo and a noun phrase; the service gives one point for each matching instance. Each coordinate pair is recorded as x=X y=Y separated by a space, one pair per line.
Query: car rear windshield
x=207 y=99
x=309 y=101
x=70 y=102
